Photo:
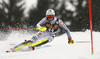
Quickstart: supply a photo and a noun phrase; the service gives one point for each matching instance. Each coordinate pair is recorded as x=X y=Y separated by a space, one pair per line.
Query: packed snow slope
x=57 y=49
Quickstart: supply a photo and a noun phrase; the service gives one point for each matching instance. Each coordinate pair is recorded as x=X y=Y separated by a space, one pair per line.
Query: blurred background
x=26 y=13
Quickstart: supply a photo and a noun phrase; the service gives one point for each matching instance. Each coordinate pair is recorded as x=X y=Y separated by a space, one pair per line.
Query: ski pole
x=12 y=28
x=18 y=28
x=82 y=41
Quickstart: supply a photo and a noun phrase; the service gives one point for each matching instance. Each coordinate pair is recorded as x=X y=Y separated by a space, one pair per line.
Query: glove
x=42 y=28
x=70 y=41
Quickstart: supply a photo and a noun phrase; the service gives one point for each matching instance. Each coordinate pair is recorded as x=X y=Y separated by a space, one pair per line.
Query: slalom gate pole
x=90 y=16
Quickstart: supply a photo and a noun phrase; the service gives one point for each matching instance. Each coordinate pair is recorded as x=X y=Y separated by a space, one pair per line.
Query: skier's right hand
x=42 y=28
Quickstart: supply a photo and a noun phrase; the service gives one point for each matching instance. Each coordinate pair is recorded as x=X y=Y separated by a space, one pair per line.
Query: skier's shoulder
x=43 y=19
x=57 y=19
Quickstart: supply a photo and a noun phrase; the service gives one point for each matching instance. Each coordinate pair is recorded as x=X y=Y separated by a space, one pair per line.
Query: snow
x=57 y=49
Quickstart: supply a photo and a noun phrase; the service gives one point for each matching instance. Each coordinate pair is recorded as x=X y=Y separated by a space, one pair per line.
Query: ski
x=11 y=50
x=8 y=51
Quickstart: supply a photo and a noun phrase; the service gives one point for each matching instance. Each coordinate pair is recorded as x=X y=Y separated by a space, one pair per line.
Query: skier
x=47 y=27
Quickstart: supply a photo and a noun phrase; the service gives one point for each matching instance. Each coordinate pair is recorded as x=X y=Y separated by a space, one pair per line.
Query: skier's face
x=50 y=17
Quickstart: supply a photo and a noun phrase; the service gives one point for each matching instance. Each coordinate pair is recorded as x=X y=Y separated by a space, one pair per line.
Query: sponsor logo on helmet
x=49 y=10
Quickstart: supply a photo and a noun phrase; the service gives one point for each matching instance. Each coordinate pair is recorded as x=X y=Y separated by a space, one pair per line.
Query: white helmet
x=50 y=12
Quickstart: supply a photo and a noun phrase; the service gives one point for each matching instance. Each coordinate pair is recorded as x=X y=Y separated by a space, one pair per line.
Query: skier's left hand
x=70 y=41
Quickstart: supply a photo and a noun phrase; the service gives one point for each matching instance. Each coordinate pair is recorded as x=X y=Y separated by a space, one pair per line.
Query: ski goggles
x=49 y=16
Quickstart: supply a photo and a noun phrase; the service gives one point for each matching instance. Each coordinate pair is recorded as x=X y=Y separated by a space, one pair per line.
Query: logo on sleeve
x=62 y=23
